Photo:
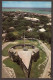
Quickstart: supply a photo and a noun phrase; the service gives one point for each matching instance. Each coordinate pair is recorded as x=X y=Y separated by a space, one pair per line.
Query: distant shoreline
x=30 y=10
x=39 y=14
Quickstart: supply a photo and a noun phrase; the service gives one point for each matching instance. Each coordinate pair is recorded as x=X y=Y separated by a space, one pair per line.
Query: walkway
x=48 y=65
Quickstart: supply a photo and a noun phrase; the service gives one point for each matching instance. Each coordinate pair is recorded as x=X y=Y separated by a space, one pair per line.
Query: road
x=5 y=44
x=48 y=65
x=5 y=71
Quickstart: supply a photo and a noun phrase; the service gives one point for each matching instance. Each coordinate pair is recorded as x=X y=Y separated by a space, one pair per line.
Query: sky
x=27 y=4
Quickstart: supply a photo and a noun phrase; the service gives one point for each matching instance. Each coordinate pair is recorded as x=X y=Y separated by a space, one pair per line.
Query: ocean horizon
x=32 y=10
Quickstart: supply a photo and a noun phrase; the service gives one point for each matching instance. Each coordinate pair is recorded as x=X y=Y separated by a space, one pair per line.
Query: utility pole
x=24 y=39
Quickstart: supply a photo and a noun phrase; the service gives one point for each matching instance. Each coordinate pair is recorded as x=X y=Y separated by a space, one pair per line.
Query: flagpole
x=24 y=39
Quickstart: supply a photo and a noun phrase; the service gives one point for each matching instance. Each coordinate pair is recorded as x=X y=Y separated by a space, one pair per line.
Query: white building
x=42 y=30
x=32 y=19
x=15 y=18
x=41 y=26
x=49 y=23
x=30 y=29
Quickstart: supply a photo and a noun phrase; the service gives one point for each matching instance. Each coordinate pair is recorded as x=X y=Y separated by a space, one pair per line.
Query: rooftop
x=11 y=28
x=32 y=19
x=41 y=26
x=49 y=23
x=4 y=34
x=42 y=30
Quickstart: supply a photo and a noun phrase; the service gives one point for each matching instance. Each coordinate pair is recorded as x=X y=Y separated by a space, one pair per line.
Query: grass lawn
x=5 y=50
x=26 y=41
x=18 y=71
x=35 y=71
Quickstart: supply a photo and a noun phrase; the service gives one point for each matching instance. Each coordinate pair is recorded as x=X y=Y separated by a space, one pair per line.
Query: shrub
x=12 y=36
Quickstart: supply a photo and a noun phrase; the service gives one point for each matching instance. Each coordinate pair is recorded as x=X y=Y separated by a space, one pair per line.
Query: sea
x=31 y=10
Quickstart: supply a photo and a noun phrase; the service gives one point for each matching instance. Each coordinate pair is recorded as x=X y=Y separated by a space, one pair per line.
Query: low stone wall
x=17 y=59
x=22 y=45
x=35 y=56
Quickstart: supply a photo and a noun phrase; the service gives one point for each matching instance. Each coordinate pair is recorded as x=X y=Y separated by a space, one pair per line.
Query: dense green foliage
x=44 y=20
x=21 y=25
x=13 y=35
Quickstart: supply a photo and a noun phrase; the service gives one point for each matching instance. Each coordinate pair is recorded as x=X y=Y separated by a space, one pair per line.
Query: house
x=29 y=29
x=42 y=30
x=11 y=28
x=41 y=26
x=15 y=17
x=4 y=36
x=49 y=23
x=32 y=19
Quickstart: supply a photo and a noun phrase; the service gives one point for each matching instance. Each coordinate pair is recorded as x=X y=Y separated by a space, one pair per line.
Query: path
x=6 y=70
x=48 y=65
